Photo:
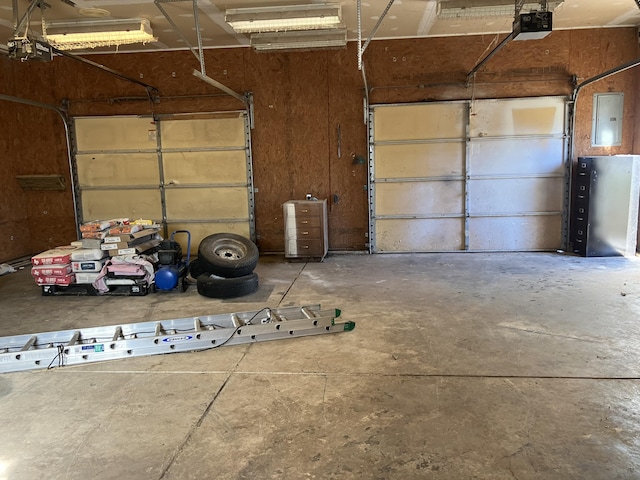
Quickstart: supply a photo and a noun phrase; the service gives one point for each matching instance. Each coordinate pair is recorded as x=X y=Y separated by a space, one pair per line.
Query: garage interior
x=483 y=347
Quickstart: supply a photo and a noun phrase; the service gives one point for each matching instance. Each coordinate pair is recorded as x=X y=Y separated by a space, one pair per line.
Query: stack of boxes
x=82 y=262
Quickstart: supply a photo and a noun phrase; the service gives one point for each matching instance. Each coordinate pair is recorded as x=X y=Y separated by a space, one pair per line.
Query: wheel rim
x=229 y=249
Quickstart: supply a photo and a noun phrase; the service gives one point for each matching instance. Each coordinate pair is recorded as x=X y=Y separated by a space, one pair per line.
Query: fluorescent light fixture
x=462 y=9
x=301 y=40
x=284 y=18
x=73 y=35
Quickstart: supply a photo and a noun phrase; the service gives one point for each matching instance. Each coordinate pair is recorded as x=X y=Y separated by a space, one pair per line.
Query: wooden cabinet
x=305 y=229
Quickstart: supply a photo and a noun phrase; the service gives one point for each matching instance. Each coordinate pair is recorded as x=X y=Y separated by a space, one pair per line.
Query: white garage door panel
x=202 y=182
x=211 y=167
x=201 y=230
x=535 y=156
x=109 y=133
x=104 y=204
x=419 y=235
x=203 y=132
x=206 y=203
x=514 y=233
x=111 y=169
x=525 y=195
x=506 y=178
x=419 y=122
x=523 y=116
x=419 y=198
x=419 y=160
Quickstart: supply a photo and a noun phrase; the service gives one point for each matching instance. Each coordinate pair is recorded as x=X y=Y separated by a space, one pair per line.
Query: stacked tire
x=224 y=267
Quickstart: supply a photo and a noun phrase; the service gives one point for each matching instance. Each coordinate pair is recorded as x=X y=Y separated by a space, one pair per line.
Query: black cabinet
x=604 y=207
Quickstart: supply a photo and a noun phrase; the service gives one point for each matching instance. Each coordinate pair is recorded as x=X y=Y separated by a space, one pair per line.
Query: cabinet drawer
x=304 y=248
x=304 y=233
x=306 y=222
x=310 y=209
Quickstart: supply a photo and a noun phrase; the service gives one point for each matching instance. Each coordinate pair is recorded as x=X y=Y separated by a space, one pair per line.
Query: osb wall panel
x=290 y=142
x=170 y=72
x=636 y=130
x=300 y=100
x=606 y=51
x=33 y=142
x=348 y=200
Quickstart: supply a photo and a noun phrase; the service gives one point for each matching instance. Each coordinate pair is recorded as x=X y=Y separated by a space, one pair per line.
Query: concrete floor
x=488 y=366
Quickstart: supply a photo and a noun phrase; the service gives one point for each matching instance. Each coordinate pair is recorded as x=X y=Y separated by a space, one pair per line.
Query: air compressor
x=172 y=270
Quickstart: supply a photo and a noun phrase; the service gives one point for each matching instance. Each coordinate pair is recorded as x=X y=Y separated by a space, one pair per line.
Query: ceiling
x=405 y=19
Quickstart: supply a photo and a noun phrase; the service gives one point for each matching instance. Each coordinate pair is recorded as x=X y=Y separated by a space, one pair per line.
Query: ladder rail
x=144 y=328
x=167 y=336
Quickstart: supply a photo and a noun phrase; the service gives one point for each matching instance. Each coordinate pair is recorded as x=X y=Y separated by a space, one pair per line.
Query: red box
x=51 y=271
x=66 y=280
x=55 y=256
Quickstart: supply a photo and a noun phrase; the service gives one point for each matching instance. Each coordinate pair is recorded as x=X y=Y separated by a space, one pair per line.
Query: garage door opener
x=95 y=344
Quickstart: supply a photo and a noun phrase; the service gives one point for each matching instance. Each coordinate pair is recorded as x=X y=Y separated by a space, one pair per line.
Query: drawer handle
x=304 y=211
x=305 y=246
x=305 y=221
x=304 y=233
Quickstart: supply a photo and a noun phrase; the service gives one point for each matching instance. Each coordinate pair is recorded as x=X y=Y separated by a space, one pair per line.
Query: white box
x=87 y=266
x=86 y=277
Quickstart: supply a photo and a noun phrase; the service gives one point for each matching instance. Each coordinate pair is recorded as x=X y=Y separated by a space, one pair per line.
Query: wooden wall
x=310 y=136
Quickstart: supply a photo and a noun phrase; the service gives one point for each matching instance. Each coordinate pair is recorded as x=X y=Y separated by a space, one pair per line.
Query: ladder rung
x=117 y=334
x=74 y=339
x=305 y=311
x=29 y=344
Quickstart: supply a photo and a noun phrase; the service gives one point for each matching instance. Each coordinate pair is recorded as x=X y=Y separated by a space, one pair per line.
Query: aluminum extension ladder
x=95 y=344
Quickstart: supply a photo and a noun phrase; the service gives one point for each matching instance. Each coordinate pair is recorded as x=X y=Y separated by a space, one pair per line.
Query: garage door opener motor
x=173 y=270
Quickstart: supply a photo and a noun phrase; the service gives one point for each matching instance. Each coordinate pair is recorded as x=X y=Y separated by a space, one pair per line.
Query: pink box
x=55 y=256
x=51 y=271
x=66 y=280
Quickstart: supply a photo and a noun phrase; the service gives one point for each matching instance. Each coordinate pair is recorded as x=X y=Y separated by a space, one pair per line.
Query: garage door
x=488 y=175
x=189 y=172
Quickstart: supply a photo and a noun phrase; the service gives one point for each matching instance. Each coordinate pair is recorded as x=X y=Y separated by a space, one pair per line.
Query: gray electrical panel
x=608 y=109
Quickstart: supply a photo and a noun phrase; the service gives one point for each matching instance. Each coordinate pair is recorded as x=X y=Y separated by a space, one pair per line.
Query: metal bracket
x=202 y=74
x=361 y=47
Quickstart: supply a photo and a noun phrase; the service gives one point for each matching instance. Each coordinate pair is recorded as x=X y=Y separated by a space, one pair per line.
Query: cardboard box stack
x=130 y=239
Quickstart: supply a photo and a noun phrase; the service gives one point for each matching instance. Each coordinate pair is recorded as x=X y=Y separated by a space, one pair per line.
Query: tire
x=216 y=287
x=196 y=268
x=228 y=255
